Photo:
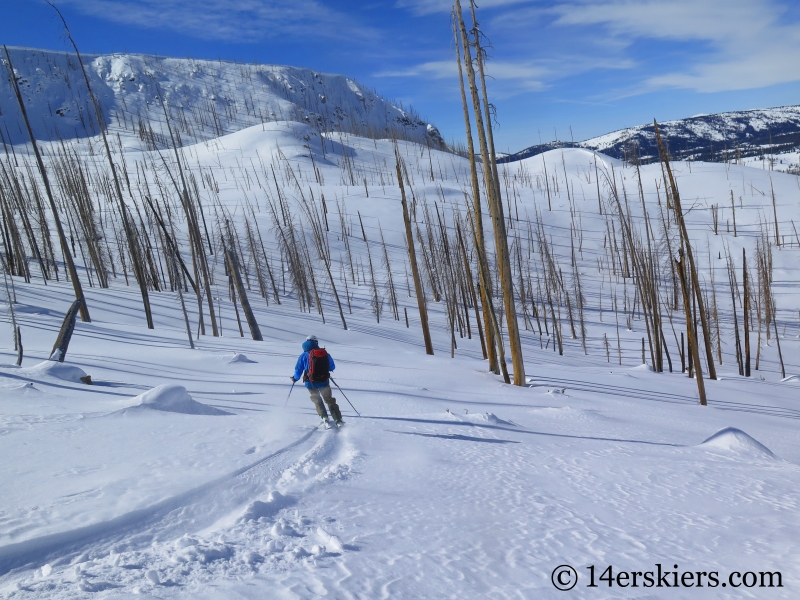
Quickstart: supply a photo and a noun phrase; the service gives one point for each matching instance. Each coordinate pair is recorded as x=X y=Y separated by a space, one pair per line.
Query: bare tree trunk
x=233 y=265
x=412 y=257
x=496 y=209
x=18 y=344
x=712 y=372
x=73 y=273
x=737 y=339
x=701 y=390
x=778 y=340
x=775 y=213
x=195 y=238
x=183 y=305
x=485 y=291
x=59 y=351
x=471 y=287
x=746 y=312
x=132 y=241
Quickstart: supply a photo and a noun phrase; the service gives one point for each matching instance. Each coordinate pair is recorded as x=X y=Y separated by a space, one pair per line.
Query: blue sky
x=571 y=68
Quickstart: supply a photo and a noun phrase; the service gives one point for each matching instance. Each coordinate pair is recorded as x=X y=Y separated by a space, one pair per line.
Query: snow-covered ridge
x=715 y=137
x=206 y=98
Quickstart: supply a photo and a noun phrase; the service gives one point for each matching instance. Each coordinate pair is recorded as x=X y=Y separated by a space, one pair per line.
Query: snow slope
x=450 y=484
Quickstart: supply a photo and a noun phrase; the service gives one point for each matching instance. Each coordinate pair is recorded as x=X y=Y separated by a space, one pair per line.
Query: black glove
x=293 y=379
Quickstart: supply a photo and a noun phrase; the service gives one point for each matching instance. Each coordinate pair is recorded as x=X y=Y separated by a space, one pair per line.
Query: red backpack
x=319 y=367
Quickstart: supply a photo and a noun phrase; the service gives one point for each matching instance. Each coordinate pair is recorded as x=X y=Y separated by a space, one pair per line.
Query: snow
x=172 y=398
x=725 y=126
x=257 y=509
x=190 y=474
x=240 y=358
x=242 y=95
x=735 y=441
x=766 y=138
x=53 y=369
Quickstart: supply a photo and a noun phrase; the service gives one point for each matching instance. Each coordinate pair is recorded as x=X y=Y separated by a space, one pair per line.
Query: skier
x=314 y=366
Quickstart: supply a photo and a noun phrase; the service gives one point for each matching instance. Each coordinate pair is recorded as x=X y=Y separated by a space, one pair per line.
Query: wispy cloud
x=429 y=7
x=433 y=70
x=245 y=21
x=499 y=70
x=510 y=78
x=738 y=44
x=706 y=45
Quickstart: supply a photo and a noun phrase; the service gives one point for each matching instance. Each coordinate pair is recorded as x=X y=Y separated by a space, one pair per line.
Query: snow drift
x=55 y=370
x=175 y=399
x=735 y=441
x=240 y=358
x=259 y=509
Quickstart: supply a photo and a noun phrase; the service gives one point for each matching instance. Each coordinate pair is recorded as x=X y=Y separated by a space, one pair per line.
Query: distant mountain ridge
x=206 y=99
x=714 y=138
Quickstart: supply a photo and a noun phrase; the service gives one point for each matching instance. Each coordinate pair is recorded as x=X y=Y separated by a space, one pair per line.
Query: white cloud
x=434 y=70
x=448 y=69
x=708 y=45
x=509 y=77
x=739 y=44
x=429 y=7
x=227 y=20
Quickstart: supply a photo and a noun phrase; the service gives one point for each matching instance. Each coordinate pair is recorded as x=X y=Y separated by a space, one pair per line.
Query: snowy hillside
x=201 y=473
x=718 y=137
x=206 y=98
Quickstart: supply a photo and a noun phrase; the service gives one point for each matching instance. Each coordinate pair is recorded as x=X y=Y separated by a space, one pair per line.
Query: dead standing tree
x=319 y=237
x=73 y=273
x=492 y=192
x=692 y=275
x=485 y=290
x=233 y=266
x=412 y=258
x=690 y=330
x=195 y=236
x=132 y=238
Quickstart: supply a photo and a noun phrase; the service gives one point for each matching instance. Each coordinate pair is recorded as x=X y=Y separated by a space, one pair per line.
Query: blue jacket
x=302 y=366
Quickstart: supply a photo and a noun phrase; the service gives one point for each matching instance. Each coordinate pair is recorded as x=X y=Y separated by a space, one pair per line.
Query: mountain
x=713 y=138
x=206 y=99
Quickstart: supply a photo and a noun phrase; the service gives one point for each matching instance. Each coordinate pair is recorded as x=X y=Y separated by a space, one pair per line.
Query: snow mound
x=257 y=510
x=25 y=388
x=791 y=379
x=490 y=418
x=330 y=542
x=240 y=358
x=735 y=441
x=54 y=369
x=174 y=398
x=282 y=528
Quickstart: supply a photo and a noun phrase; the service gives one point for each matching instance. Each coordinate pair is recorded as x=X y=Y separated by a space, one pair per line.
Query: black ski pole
x=345 y=396
x=285 y=404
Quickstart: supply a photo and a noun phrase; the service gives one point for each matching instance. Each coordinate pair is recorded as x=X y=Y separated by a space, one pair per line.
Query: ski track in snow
x=182 y=537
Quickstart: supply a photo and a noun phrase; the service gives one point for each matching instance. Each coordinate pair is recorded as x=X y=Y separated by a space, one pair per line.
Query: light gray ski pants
x=320 y=394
